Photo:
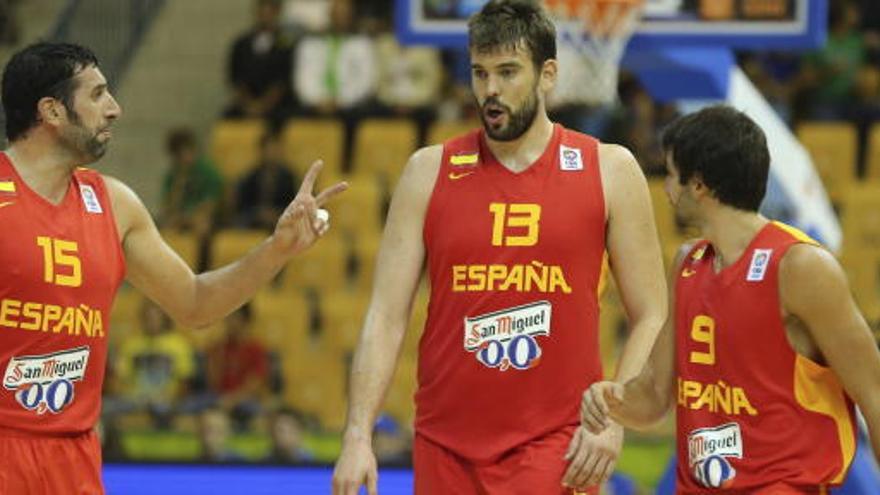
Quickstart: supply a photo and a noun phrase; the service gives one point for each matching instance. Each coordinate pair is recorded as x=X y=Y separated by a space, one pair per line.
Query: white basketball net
x=600 y=42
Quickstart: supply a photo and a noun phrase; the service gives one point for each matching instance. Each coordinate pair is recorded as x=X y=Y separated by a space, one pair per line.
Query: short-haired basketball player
x=69 y=237
x=512 y=222
x=764 y=351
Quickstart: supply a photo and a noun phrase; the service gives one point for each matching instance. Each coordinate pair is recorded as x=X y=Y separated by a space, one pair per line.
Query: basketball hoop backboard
x=764 y=24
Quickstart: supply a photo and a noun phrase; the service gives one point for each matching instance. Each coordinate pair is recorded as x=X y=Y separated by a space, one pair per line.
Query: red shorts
x=38 y=465
x=535 y=468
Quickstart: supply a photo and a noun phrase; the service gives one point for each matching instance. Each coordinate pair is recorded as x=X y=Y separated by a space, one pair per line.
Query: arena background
x=255 y=404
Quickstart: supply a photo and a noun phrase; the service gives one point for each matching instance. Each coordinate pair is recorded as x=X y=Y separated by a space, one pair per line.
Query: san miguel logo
x=45 y=383
x=508 y=338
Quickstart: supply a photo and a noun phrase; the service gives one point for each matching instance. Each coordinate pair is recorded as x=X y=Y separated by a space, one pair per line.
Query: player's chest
x=44 y=249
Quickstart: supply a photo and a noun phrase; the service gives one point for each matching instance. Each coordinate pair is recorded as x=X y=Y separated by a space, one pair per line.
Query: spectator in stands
x=153 y=369
x=214 y=437
x=259 y=68
x=335 y=71
x=635 y=123
x=239 y=369
x=830 y=73
x=410 y=80
x=262 y=194
x=287 y=438
x=192 y=187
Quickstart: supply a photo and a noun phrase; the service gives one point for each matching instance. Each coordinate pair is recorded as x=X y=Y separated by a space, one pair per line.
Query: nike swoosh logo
x=458 y=175
x=6 y=203
x=687 y=272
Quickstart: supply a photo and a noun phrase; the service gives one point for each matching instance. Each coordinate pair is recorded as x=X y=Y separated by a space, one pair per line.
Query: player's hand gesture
x=356 y=467
x=301 y=224
x=592 y=458
x=598 y=405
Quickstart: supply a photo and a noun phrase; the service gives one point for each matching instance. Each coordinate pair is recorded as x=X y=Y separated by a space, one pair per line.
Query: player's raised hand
x=303 y=222
x=598 y=405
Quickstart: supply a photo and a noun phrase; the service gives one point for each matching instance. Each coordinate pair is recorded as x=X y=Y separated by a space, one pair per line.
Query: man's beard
x=83 y=141
x=517 y=122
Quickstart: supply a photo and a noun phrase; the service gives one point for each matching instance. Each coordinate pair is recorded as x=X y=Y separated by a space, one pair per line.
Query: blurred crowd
x=340 y=59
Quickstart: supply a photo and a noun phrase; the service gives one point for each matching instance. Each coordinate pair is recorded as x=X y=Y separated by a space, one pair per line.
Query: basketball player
x=764 y=344
x=513 y=221
x=70 y=235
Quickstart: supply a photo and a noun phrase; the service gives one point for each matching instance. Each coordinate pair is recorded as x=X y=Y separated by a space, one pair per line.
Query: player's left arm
x=197 y=300
x=634 y=254
x=813 y=287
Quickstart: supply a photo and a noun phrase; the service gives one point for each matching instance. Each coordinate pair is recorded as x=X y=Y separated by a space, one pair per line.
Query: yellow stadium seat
x=125 y=313
x=443 y=130
x=307 y=140
x=185 y=244
x=315 y=382
x=860 y=219
x=366 y=250
x=383 y=146
x=872 y=167
x=359 y=211
x=323 y=266
x=235 y=146
x=343 y=315
x=281 y=319
x=231 y=244
x=832 y=145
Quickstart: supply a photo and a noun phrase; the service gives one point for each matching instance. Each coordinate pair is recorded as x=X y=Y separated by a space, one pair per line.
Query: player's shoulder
x=808 y=262
x=422 y=168
x=614 y=157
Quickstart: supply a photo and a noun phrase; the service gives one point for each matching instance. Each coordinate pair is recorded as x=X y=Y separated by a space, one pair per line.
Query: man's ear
x=50 y=111
x=549 y=73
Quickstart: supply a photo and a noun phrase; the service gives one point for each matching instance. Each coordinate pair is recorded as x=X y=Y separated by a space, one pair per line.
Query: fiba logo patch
x=508 y=338
x=570 y=159
x=709 y=451
x=759 y=264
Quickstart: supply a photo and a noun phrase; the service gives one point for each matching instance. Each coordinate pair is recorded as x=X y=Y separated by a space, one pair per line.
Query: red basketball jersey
x=750 y=410
x=514 y=260
x=61 y=267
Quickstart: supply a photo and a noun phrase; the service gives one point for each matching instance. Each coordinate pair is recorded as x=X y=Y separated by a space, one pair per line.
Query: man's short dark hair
x=725 y=149
x=40 y=70
x=511 y=24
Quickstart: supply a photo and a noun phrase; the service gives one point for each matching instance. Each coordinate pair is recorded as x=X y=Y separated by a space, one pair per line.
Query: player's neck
x=42 y=165
x=519 y=154
x=730 y=231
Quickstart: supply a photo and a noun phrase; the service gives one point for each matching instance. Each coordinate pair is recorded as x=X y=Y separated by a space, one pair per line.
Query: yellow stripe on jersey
x=464 y=159
x=818 y=390
x=796 y=233
x=7 y=186
x=603 y=275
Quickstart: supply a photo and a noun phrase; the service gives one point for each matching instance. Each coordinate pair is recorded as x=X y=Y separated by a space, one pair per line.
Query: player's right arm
x=813 y=287
x=398 y=269
x=644 y=399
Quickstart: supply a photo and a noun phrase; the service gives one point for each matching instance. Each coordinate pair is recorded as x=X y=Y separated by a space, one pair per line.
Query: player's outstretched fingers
x=308 y=183
x=328 y=193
